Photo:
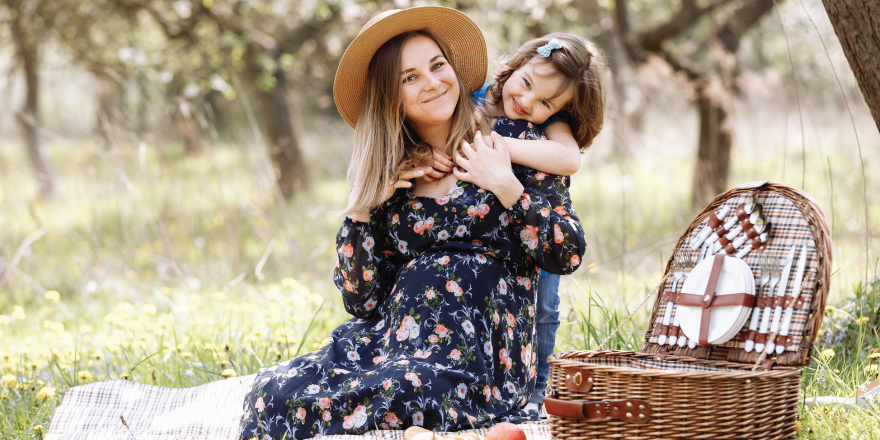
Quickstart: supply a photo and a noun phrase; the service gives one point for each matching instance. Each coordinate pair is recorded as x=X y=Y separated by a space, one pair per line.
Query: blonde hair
x=385 y=145
x=578 y=61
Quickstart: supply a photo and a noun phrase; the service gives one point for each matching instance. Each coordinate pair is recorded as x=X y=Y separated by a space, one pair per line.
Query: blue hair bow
x=546 y=49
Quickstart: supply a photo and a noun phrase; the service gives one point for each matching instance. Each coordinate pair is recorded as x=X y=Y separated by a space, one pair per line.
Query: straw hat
x=467 y=50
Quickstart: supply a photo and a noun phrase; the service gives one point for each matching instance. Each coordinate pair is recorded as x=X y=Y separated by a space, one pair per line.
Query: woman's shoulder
x=562 y=116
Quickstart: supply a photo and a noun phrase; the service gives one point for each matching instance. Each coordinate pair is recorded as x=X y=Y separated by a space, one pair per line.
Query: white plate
x=725 y=322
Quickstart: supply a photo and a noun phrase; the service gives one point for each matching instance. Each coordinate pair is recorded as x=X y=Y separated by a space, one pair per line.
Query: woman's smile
x=435 y=97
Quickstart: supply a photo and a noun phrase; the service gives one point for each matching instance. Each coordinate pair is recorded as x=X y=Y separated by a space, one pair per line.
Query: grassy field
x=161 y=268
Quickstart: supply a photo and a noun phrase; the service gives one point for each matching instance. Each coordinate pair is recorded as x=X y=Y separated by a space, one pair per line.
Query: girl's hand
x=403 y=181
x=489 y=168
x=440 y=168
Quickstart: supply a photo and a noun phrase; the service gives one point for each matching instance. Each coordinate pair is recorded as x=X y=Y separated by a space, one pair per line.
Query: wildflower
x=872 y=369
x=18 y=313
x=826 y=354
x=84 y=376
x=229 y=372
x=46 y=393
x=831 y=309
x=124 y=376
x=4 y=320
x=863 y=320
x=874 y=355
x=52 y=296
x=10 y=381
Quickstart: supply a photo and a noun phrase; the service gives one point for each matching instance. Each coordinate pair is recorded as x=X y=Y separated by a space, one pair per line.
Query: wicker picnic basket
x=715 y=391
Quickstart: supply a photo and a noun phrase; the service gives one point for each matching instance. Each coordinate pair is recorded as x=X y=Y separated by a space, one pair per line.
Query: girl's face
x=530 y=92
x=428 y=83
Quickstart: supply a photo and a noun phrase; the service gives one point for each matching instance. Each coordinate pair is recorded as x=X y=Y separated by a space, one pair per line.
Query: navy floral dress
x=443 y=294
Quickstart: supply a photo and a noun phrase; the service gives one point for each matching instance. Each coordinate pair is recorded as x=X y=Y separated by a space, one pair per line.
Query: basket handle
x=627 y=410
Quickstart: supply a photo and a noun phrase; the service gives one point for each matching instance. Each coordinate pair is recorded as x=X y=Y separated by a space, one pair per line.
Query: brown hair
x=581 y=64
x=385 y=145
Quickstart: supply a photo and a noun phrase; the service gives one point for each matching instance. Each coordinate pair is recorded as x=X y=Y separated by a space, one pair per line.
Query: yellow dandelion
x=84 y=376
x=874 y=355
x=18 y=313
x=218 y=296
x=124 y=376
x=46 y=393
x=167 y=291
x=227 y=347
x=38 y=428
x=872 y=369
x=52 y=296
x=10 y=381
x=831 y=309
x=289 y=282
x=827 y=354
x=863 y=320
x=229 y=372
x=4 y=320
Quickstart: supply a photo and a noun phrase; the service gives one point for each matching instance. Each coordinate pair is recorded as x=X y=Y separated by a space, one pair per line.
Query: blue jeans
x=546 y=324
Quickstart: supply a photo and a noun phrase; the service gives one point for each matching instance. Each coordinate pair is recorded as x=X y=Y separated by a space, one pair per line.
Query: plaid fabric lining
x=207 y=412
x=789 y=228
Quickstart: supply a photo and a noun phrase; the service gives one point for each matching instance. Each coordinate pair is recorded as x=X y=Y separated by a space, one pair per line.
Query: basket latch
x=627 y=410
x=579 y=380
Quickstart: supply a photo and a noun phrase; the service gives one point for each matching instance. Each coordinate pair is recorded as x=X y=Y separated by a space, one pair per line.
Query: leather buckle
x=627 y=410
x=578 y=379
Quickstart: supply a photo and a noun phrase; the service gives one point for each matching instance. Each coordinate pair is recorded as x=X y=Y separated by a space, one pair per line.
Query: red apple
x=505 y=431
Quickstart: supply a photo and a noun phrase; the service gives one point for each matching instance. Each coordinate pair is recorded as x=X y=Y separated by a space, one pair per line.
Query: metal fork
x=764 y=264
x=689 y=263
x=676 y=275
x=775 y=276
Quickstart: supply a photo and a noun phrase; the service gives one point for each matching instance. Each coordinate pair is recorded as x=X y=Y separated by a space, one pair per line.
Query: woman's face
x=428 y=83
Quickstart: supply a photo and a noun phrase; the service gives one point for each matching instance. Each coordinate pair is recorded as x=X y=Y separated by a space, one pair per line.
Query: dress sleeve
x=562 y=116
x=364 y=272
x=546 y=224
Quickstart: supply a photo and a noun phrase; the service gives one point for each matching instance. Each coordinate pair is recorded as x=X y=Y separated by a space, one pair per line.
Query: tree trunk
x=109 y=109
x=280 y=139
x=28 y=117
x=713 y=154
x=857 y=27
x=186 y=126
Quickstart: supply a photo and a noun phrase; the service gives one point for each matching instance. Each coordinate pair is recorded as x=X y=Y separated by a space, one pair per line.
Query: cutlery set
x=713 y=296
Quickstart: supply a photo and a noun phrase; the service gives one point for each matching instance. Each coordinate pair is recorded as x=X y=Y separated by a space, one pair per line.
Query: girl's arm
x=559 y=154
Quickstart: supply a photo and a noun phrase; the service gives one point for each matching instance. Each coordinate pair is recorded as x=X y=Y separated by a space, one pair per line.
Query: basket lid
x=797 y=220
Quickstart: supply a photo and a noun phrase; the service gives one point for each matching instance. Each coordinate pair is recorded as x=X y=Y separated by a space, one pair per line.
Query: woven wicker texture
x=797 y=219
x=712 y=392
x=726 y=401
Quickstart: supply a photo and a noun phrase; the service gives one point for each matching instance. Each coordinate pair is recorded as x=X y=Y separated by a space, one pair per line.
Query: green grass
x=156 y=261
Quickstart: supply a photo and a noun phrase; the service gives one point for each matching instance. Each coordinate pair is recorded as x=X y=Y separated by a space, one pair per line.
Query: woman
x=440 y=276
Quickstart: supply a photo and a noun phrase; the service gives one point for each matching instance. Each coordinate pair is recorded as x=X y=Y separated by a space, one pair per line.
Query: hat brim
x=463 y=38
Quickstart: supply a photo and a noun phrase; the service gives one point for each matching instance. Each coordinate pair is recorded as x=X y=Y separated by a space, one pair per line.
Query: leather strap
x=729 y=249
x=767 y=364
x=750 y=335
x=709 y=298
x=724 y=241
x=761 y=338
x=760 y=302
x=664 y=329
x=758 y=246
x=751 y=232
x=741 y=213
x=714 y=221
x=781 y=340
x=627 y=410
x=675 y=331
x=736 y=299
x=720 y=231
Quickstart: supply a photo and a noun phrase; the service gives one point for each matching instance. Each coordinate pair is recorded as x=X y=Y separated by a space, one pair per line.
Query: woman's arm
x=363 y=273
x=559 y=154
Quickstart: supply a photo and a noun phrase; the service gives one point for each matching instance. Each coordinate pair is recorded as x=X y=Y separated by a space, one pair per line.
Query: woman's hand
x=489 y=168
x=403 y=181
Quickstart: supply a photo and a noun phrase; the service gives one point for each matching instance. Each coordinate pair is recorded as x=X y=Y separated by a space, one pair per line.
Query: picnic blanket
x=207 y=412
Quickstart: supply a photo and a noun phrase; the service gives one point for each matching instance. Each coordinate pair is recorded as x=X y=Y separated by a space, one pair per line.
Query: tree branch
x=740 y=21
x=689 y=13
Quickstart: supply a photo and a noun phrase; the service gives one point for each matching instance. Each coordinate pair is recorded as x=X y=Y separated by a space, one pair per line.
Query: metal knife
x=786 y=322
x=780 y=292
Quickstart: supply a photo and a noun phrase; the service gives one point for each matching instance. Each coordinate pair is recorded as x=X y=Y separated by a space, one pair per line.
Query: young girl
x=548 y=101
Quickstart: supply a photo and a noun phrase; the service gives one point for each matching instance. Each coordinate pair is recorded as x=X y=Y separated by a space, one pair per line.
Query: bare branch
x=689 y=13
x=740 y=21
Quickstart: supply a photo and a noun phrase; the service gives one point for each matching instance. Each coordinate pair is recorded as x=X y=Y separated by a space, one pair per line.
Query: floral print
x=443 y=295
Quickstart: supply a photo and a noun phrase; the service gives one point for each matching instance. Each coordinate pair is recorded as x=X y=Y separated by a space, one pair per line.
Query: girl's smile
x=535 y=92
